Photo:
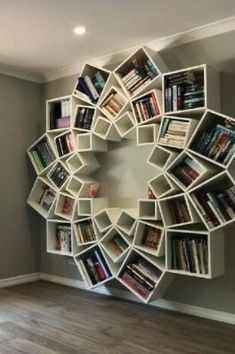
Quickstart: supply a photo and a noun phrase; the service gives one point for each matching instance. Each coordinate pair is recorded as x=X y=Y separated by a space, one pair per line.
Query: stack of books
x=42 y=155
x=184 y=90
x=58 y=175
x=66 y=206
x=85 y=231
x=141 y=276
x=46 y=198
x=59 y=114
x=146 y=107
x=63 y=238
x=174 y=132
x=215 y=207
x=118 y=244
x=65 y=144
x=139 y=74
x=84 y=118
x=187 y=171
x=217 y=143
x=113 y=104
x=90 y=87
x=151 y=237
x=179 y=211
x=190 y=253
x=94 y=267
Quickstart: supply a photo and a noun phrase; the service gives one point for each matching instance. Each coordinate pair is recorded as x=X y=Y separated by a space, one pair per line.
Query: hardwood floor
x=45 y=318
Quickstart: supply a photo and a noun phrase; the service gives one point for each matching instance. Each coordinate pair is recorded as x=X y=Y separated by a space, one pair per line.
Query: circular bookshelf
x=176 y=228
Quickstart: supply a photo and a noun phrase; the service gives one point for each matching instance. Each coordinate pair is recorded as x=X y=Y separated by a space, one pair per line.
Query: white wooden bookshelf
x=66 y=192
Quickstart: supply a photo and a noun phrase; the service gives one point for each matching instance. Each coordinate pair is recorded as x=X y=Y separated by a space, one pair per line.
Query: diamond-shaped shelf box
x=82 y=163
x=125 y=125
x=143 y=275
x=41 y=154
x=195 y=253
x=115 y=244
x=147 y=107
x=106 y=218
x=93 y=266
x=214 y=200
x=84 y=231
x=65 y=206
x=90 y=142
x=91 y=83
x=162 y=186
x=82 y=186
x=90 y=206
x=60 y=239
x=113 y=103
x=58 y=175
x=84 y=118
x=127 y=221
x=177 y=211
x=141 y=71
x=150 y=238
x=105 y=129
x=148 y=209
x=175 y=132
x=147 y=134
x=187 y=170
x=161 y=157
x=214 y=138
x=42 y=197
x=191 y=90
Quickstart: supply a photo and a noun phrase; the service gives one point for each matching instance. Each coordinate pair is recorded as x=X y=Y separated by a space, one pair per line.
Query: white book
x=195 y=165
x=91 y=87
x=63 y=108
x=84 y=272
x=67 y=108
x=174 y=94
x=129 y=75
x=215 y=211
x=195 y=256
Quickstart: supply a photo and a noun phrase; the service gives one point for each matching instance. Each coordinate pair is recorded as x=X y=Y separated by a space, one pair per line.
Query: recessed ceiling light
x=79 y=30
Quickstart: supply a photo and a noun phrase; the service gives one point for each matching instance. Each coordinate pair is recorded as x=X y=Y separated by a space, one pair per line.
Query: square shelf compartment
x=65 y=143
x=89 y=142
x=84 y=231
x=147 y=107
x=115 y=244
x=113 y=103
x=58 y=113
x=42 y=197
x=161 y=157
x=65 y=206
x=59 y=237
x=58 y=175
x=93 y=266
x=84 y=117
x=150 y=238
x=148 y=209
x=90 y=206
x=106 y=218
x=104 y=129
x=147 y=134
x=125 y=124
x=83 y=187
x=162 y=186
x=127 y=220
x=195 y=253
x=82 y=163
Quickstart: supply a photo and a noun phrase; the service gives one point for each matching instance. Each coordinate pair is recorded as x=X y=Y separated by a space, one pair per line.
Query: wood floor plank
x=45 y=318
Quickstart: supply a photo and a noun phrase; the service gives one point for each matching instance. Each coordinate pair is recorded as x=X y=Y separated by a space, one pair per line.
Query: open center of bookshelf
x=123 y=173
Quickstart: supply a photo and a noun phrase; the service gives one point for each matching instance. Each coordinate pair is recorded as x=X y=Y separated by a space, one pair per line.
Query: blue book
x=82 y=86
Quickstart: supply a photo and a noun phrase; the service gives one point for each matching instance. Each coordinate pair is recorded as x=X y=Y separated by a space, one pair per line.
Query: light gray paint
x=21 y=117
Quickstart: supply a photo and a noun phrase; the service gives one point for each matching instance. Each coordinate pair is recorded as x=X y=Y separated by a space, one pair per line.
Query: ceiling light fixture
x=79 y=30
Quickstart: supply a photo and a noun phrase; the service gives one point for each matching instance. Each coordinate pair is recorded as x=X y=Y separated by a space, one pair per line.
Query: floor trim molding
x=164 y=304
x=20 y=279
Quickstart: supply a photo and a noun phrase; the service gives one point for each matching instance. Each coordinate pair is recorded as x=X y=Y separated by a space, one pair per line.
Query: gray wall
x=21 y=116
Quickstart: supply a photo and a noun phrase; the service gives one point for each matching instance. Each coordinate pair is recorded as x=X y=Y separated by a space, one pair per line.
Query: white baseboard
x=20 y=279
x=164 y=304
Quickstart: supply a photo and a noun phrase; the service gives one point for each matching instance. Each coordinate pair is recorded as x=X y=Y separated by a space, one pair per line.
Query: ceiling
x=36 y=36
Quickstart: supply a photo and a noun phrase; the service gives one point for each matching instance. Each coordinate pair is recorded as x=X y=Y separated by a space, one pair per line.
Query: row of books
x=151 y=237
x=42 y=155
x=118 y=244
x=146 y=107
x=190 y=253
x=174 y=132
x=187 y=171
x=84 y=118
x=58 y=175
x=85 y=231
x=141 y=276
x=217 y=143
x=184 y=90
x=63 y=238
x=179 y=211
x=113 y=104
x=66 y=205
x=65 y=144
x=90 y=87
x=94 y=267
x=215 y=207
x=59 y=113
x=46 y=198
x=140 y=72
